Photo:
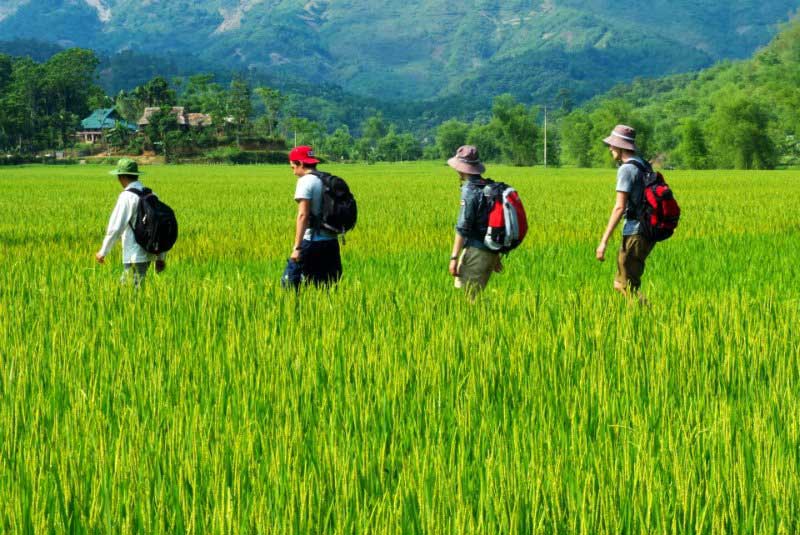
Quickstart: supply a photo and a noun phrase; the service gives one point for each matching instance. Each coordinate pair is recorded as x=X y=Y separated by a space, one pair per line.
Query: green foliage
x=402 y=52
x=518 y=128
x=692 y=151
x=733 y=115
x=236 y=156
x=41 y=104
x=450 y=135
x=339 y=145
x=739 y=137
x=578 y=142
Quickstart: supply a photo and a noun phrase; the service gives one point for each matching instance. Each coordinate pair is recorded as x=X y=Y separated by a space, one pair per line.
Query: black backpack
x=339 y=210
x=155 y=227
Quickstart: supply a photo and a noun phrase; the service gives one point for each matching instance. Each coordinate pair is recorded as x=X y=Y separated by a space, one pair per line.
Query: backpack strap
x=316 y=221
x=646 y=167
x=139 y=193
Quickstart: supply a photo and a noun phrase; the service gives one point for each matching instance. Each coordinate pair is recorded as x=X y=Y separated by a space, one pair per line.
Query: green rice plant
x=212 y=401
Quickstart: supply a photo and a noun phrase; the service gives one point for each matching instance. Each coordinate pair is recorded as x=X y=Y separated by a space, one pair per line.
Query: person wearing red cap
x=315 y=254
x=635 y=248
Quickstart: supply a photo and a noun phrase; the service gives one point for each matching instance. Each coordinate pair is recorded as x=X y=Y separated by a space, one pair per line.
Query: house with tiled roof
x=184 y=120
x=94 y=127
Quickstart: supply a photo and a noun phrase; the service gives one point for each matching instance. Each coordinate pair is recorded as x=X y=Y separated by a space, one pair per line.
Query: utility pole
x=545 y=136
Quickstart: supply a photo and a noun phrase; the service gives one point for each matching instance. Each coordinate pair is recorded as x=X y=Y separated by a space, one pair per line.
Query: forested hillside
x=743 y=114
x=423 y=49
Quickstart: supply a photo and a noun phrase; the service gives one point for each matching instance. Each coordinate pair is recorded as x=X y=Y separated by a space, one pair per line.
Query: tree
x=373 y=129
x=304 y=131
x=239 y=107
x=487 y=137
x=692 y=151
x=273 y=102
x=450 y=135
x=163 y=131
x=738 y=135
x=155 y=93
x=339 y=145
x=67 y=87
x=409 y=147
x=119 y=136
x=577 y=138
x=388 y=148
x=519 y=128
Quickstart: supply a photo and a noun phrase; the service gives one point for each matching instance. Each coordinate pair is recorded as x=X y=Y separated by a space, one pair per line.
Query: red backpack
x=660 y=212
x=508 y=223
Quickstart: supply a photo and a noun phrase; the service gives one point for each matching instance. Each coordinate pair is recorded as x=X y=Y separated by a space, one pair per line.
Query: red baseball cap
x=302 y=154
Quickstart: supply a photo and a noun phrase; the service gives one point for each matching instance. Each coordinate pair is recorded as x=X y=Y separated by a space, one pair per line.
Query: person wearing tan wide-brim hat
x=471 y=261
x=622 y=137
x=635 y=248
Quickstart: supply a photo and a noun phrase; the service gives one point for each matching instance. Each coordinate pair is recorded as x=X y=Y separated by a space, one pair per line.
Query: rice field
x=211 y=401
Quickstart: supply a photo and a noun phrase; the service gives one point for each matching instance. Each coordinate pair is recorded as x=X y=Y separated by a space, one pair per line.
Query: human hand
x=498 y=267
x=161 y=265
x=600 y=252
x=453 y=268
x=100 y=258
x=295 y=256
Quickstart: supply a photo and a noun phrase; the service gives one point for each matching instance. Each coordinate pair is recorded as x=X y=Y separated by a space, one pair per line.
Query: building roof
x=199 y=119
x=177 y=111
x=104 y=119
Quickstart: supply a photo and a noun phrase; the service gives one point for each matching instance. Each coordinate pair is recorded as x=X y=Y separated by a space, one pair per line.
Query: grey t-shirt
x=630 y=180
x=309 y=187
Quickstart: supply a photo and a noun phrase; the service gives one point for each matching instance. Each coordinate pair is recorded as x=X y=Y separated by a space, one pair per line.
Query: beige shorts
x=630 y=261
x=475 y=268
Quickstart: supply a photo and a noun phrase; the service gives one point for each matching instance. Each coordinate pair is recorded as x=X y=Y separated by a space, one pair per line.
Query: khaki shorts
x=475 y=268
x=630 y=261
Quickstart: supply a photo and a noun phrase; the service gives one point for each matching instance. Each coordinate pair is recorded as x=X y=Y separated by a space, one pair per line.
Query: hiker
x=135 y=259
x=315 y=254
x=471 y=261
x=635 y=247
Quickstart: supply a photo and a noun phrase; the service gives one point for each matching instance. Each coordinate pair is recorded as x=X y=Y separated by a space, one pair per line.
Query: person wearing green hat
x=135 y=259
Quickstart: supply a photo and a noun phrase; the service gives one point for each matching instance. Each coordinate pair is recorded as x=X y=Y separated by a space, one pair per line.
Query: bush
x=232 y=155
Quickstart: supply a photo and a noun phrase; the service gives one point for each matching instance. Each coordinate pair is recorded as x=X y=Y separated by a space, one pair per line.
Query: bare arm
x=458 y=245
x=303 y=218
x=616 y=215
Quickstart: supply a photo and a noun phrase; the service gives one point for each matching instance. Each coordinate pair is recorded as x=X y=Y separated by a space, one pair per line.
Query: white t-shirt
x=309 y=187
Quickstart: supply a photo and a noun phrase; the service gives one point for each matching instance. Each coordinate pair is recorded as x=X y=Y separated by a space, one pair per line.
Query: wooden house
x=94 y=127
x=184 y=120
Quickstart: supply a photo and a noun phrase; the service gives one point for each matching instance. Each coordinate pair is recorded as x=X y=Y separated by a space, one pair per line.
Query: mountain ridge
x=425 y=49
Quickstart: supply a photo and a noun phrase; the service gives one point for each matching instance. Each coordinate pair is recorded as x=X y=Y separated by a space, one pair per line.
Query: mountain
x=742 y=114
x=422 y=49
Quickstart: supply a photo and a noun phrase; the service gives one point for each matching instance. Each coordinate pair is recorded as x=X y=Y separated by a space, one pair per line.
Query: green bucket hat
x=126 y=166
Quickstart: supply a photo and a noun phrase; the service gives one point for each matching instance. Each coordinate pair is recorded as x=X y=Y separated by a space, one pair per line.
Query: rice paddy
x=212 y=401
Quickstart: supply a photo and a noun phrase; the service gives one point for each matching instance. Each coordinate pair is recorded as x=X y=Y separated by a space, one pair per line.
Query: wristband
x=454 y=257
x=298 y=248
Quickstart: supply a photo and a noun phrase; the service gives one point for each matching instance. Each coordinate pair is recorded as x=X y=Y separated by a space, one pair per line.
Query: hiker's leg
x=631 y=262
x=474 y=269
x=134 y=272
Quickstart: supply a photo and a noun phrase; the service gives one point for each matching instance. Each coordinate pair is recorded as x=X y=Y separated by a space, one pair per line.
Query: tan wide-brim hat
x=622 y=137
x=467 y=161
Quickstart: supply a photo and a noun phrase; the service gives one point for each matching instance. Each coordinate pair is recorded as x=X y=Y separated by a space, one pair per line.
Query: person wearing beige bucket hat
x=635 y=248
x=135 y=259
x=471 y=261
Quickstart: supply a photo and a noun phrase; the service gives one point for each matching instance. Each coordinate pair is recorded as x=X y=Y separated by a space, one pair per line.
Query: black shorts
x=320 y=263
